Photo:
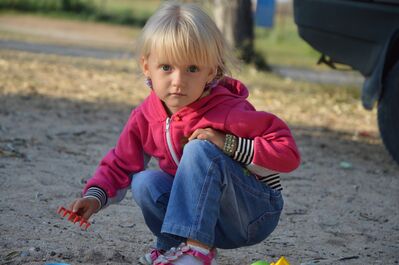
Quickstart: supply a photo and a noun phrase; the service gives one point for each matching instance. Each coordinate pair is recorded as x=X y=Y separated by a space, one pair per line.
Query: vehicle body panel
x=363 y=34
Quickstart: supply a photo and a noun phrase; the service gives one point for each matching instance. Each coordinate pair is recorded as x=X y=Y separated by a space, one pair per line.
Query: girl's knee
x=149 y=185
x=140 y=181
x=199 y=147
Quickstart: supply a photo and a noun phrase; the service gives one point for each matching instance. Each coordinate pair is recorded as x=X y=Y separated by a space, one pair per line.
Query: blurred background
x=276 y=40
x=269 y=47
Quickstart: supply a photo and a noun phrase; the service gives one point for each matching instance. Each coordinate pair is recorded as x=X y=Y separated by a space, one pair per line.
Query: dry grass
x=77 y=79
x=118 y=82
x=303 y=103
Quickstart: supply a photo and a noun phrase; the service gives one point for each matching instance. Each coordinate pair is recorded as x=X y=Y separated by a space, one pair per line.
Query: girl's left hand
x=216 y=137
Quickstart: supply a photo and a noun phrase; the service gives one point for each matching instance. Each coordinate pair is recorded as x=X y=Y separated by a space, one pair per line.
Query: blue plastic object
x=265 y=10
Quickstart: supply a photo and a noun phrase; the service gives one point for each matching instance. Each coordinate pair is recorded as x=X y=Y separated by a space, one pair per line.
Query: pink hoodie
x=149 y=132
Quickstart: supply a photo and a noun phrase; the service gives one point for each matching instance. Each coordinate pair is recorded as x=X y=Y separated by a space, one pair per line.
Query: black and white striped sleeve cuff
x=97 y=193
x=245 y=151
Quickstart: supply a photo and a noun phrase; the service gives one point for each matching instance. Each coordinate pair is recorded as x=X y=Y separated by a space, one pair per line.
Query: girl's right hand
x=85 y=207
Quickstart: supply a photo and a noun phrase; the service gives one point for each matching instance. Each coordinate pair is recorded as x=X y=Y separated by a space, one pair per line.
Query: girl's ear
x=144 y=66
x=212 y=74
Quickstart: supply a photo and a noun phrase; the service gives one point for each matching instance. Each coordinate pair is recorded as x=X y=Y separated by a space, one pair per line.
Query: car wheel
x=388 y=112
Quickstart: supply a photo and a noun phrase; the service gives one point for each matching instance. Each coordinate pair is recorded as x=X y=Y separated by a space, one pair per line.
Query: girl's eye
x=165 y=67
x=193 y=69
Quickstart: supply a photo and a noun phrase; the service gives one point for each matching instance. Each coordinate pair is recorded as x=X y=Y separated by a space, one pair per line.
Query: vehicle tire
x=388 y=112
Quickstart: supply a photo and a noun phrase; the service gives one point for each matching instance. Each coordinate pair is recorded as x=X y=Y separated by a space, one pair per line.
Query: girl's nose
x=177 y=78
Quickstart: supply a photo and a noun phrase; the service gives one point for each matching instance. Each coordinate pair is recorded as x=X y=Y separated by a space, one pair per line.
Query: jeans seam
x=158 y=200
x=254 y=192
x=259 y=220
x=186 y=232
x=203 y=195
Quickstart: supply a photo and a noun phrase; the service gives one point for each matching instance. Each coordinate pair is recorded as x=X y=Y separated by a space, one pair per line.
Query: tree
x=234 y=18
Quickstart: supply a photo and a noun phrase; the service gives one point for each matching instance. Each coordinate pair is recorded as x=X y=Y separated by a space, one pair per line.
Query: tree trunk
x=234 y=18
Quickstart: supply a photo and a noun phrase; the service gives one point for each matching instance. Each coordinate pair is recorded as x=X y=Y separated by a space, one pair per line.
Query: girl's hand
x=216 y=137
x=85 y=207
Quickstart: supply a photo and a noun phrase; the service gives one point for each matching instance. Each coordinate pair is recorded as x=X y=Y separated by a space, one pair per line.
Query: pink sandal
x=175 y=253
x=149 y=258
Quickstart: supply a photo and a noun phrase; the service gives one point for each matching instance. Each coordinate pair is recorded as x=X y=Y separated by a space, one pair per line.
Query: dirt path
x=59 y=115
x=64 y=50
x=56 y=31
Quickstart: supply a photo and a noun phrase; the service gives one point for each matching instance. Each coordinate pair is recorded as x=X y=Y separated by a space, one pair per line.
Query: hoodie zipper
x=169 y=142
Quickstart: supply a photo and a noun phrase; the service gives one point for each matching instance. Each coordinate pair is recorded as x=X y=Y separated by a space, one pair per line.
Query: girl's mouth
x=177 y=94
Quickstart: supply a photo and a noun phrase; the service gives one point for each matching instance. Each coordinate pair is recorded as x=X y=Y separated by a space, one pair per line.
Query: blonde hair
x=184 y=32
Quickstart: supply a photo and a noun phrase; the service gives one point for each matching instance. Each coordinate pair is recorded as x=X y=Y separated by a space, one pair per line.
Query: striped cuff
x=245 y=151
x=273 y=181
x=97 y=193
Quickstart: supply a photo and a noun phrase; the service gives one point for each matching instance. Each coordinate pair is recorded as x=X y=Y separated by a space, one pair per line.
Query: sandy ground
x=59 y=115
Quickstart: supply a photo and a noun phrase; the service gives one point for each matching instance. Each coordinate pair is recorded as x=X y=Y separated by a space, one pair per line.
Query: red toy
x=73 y=217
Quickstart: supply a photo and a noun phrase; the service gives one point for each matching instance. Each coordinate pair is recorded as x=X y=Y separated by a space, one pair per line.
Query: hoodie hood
x=234 y=86
x=227 y=89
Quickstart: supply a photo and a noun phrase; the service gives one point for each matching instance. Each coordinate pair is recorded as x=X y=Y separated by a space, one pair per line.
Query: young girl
x=218 y=185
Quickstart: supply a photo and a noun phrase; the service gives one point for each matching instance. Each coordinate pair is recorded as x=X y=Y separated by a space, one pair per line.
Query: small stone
x=345 y=165
x=25 y=254
x=37 y=249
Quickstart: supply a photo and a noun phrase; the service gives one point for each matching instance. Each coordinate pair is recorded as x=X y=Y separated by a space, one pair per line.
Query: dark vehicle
x=363 y=34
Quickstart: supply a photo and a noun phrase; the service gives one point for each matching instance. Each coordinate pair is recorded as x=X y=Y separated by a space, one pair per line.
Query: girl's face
x=177 y=85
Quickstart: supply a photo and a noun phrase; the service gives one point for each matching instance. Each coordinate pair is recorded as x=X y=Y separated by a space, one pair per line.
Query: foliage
x=83 y=9
x=78 y=6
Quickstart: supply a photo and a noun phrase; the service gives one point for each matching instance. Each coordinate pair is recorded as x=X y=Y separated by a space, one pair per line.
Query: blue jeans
x=212 y=199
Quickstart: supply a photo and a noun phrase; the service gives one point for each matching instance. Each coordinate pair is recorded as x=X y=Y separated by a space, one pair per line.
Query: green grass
x=124 y=12
x=282 y=45
x=138 y=7
x=127 y=12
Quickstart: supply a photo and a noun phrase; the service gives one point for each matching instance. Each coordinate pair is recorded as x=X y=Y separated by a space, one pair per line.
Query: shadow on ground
x=335 y=212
